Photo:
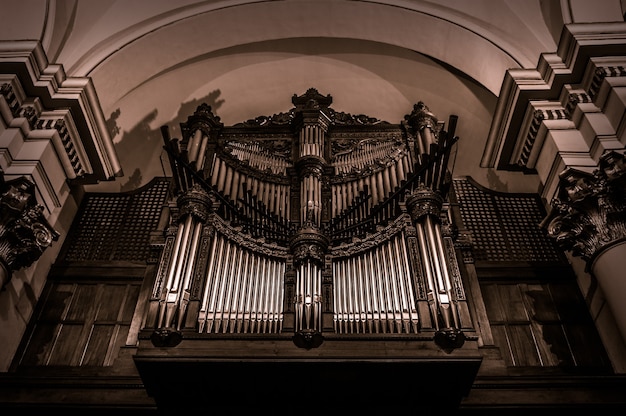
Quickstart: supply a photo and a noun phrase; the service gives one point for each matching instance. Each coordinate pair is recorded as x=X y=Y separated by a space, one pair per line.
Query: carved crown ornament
x=589 y=212
x=24 y=232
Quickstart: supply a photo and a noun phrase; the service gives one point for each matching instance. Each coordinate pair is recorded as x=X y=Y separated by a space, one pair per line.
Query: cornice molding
x=27 y=64
x=579 y=43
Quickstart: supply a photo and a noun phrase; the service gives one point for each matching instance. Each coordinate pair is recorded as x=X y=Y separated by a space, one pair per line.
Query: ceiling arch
x=248 y=57
x=181 y=34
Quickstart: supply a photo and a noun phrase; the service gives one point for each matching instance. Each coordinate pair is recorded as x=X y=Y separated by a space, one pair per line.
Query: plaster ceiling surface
x=153 y=61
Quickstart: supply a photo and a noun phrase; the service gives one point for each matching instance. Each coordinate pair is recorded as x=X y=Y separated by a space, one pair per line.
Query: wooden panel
x=128 y=309
x=121 y=334
x=83 y=303
x=513 y=303
x=523 y=345
x=501 y=341
x=40 y=344
x=539 y=303
x=66 y=345
x=585 y=345
x=569 y=303
x=57 y=301
x=113 y=297
x=98 y=345
x=491 y=297
x=553 y=345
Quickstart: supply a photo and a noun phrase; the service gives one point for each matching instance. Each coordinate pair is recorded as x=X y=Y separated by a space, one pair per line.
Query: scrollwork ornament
x=308 y=251
x=310 y=166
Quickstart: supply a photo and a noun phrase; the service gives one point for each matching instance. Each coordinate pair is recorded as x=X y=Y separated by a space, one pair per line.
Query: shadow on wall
x=141 y=146
x=495 y=183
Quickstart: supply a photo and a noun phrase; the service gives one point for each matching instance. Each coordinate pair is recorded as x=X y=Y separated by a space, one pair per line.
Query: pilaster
x=588 y=218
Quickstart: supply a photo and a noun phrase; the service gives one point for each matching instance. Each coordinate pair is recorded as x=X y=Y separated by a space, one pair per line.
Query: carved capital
x=309 y=243
x=589 y=213
x=197 y=202
x=24 y=232
x=310 y=165
x=424 y=201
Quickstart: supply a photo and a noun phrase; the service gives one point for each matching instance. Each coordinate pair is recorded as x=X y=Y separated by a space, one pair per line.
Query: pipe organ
x=311 y=224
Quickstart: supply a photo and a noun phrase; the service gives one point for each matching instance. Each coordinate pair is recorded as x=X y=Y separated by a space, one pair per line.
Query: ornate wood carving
x=24 y=232
x=589 y=212
x=324 y=193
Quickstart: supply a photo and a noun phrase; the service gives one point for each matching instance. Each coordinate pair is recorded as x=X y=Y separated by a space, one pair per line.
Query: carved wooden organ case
x=310 y=223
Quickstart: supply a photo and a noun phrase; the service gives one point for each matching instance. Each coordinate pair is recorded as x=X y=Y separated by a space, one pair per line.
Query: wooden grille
x=117 y=226
x=504 y=227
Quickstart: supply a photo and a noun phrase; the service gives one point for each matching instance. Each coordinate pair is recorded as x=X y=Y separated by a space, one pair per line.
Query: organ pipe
x=380 y=183
x=374 y=291
x=339 y=192
x=311 y=138
x=425 y=206
x=194 y=207
x=230 y=182
x=243 y=291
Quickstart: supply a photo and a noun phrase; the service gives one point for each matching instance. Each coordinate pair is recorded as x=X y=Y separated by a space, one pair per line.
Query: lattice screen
x=504 y=227
x=117 y=226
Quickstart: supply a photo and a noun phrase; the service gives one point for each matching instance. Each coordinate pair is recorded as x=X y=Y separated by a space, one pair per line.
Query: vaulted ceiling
x=153 y=62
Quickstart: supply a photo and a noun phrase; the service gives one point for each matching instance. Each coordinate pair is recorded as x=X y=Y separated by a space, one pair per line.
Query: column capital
x=589 y=212
x=424 y=201
x=24 y=232
x=309 y=243
x=197 y=202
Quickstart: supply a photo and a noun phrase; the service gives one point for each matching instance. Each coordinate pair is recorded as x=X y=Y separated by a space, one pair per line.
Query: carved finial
x=421 y=117
x=311 y=99
x=203 y=118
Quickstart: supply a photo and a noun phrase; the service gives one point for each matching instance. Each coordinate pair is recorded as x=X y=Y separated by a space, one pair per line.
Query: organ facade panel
x=309 y=224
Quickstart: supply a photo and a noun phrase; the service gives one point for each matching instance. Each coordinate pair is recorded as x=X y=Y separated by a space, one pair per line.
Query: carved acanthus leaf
x=589 y=212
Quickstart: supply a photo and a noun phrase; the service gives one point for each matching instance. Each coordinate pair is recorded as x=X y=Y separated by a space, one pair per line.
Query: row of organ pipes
x=381 y=183
x=257 y=157
x=366 y=153
x=196 y=149
x=229 y=181
x=275 y=196
x=312 y=138
x=243 y=289
x=374 y=290
x=174 y=289
x=308 y=298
